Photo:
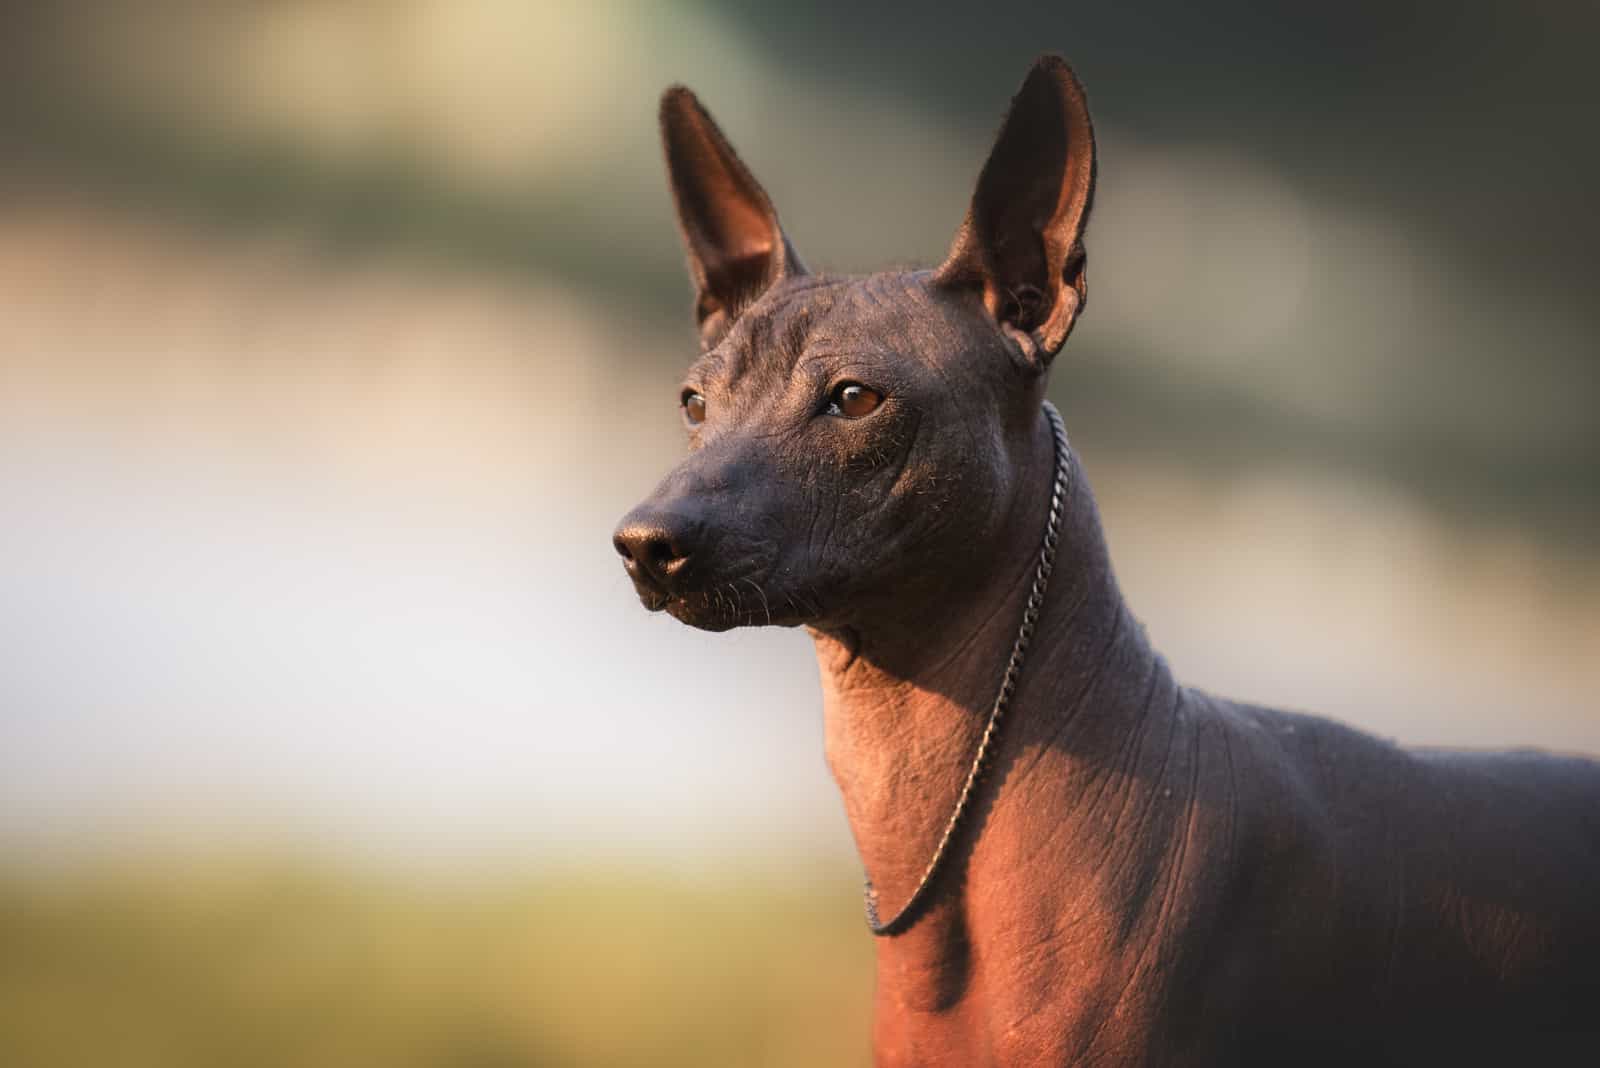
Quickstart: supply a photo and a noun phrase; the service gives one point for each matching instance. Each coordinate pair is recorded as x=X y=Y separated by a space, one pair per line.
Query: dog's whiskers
x=760 y=593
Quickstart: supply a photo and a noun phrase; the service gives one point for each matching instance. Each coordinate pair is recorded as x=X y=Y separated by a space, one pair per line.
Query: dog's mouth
x=731 y=605
x=711 y=590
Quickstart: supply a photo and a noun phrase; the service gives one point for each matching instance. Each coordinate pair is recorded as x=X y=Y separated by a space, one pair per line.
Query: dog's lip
x=701 y=610
x=652 y=596
x=702 y=606
x=699 y=614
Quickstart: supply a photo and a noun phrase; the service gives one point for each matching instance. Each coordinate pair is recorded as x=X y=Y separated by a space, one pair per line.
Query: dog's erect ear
x=1021 y=243
x=736 y=247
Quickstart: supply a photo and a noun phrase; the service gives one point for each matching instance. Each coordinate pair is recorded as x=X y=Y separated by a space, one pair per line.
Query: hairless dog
x=1073 y=858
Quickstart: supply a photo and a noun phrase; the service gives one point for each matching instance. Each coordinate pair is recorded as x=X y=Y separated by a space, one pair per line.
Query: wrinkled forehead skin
x=890 y=319
x=830 y=513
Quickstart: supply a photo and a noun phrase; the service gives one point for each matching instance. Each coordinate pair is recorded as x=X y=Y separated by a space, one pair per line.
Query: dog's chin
x=717 y=614
x=701 y=616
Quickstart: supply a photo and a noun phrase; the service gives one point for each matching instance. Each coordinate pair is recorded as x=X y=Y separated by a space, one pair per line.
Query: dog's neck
x=905 y=701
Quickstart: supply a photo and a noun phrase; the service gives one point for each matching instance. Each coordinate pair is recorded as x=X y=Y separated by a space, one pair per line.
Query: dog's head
x=858 y=439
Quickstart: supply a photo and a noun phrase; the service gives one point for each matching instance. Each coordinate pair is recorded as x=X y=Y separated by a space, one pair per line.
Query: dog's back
x=1409 y=905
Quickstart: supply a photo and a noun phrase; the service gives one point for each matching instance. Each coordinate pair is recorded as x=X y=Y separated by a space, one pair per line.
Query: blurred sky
x=334 y=337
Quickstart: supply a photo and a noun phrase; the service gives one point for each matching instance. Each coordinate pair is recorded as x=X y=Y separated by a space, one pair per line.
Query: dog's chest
x=1042 y=979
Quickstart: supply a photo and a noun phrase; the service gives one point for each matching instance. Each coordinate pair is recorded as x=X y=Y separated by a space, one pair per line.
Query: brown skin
x=1150 y=875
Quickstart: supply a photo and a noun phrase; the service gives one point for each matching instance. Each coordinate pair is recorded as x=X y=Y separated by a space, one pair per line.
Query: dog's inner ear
x=1021 y=244
x=736 y=247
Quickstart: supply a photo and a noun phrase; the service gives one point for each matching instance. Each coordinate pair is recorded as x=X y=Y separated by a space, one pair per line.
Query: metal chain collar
x=1008 y=685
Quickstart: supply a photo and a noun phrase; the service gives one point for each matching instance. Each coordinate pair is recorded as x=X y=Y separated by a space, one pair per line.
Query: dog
x=1073 y=858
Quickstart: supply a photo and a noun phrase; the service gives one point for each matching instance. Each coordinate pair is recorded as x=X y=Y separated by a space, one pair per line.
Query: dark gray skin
x=1150 y=875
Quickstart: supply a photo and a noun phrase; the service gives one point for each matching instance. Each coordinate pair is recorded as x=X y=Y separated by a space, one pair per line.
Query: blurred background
x=336 y=334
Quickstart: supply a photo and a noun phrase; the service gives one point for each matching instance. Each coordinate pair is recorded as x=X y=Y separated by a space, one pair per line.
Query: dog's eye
x=694 y=407
x=853 y=400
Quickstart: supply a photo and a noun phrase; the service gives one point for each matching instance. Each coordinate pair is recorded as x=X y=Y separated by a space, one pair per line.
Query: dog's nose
x=654 y=550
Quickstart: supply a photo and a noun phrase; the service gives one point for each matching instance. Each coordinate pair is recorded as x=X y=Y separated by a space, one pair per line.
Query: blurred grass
x=314 y=966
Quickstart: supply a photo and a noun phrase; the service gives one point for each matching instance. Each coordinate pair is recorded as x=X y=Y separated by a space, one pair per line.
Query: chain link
x=1008 y=685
